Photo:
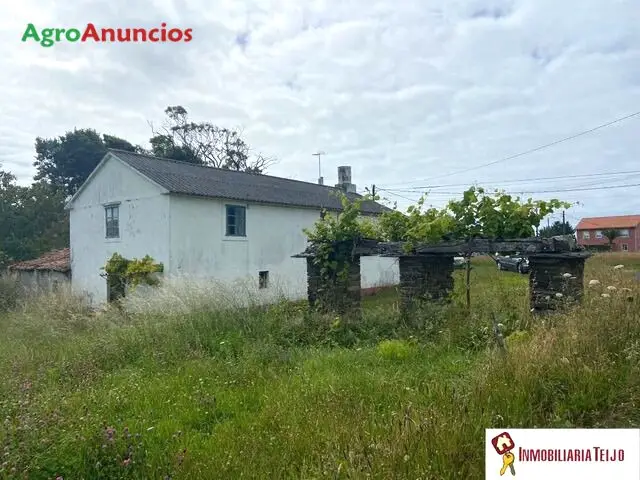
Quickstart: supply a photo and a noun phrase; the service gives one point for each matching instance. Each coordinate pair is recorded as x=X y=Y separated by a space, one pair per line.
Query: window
x=598 y=234
x=112 y=219
x=624 y=233
x=263 y=279
x=236 y=221
x=586 y=235
x=625 y=247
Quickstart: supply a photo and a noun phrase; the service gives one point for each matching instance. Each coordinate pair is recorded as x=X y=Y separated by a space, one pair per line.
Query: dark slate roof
x=189 y=179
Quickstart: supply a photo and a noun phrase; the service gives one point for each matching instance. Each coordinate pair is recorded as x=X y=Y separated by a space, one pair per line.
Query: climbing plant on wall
x=122 y=273
x=334 y=237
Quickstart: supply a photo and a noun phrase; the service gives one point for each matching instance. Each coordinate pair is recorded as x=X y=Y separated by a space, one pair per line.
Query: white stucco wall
x=200 y=248
x=144 y=225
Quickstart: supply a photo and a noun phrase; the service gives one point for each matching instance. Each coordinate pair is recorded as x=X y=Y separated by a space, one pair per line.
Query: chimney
x=344 y=180
x=320 y=181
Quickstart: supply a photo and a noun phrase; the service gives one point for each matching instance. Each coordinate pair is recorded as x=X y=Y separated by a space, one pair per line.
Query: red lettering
x=172 y=35
x=139 y=32
x=163 y=32
x=187 y=35
x=153 y=35
x=108 y=32
x=621 y=455
x=123 y=38
x=90 y=32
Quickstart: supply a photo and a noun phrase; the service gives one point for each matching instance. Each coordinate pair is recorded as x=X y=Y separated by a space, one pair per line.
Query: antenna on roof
x=319 y=154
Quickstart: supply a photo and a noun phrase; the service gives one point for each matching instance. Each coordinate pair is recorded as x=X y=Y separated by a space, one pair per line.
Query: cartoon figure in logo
x=503 y=445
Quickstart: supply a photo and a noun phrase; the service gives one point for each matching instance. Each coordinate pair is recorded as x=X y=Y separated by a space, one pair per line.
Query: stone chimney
x=344 y=180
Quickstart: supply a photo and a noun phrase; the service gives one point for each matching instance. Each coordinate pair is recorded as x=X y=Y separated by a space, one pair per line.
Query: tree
x=557 y=228
x=611 y=234
x=32 y=219
x=204 y=143
x=67 y=161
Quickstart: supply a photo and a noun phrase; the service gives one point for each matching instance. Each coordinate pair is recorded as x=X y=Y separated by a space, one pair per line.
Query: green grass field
x=280 y=393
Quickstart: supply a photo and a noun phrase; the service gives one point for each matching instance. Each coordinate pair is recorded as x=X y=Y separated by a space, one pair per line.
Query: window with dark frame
x=236 y=221
x=112 y=221
x=625 y=247
x=263 y=279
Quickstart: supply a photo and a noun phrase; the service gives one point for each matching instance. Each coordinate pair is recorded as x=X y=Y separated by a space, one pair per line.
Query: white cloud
x=402 y=91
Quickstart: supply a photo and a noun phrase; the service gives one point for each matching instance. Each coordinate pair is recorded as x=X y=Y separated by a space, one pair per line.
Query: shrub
x=395 y=349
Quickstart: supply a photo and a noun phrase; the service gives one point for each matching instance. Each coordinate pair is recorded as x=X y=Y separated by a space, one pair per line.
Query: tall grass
x=278 y=392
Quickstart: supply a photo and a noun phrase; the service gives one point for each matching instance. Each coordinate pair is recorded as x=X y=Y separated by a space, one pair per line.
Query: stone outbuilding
x=46 y=273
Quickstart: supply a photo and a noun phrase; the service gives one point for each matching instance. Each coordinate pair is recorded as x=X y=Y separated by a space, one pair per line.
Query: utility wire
x=522 y=180
x=609 y=187
x=541 y=147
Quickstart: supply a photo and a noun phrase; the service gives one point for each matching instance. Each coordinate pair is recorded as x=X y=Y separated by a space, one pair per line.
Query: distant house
x=204 y=223
x=46 y=273
x=590 y=232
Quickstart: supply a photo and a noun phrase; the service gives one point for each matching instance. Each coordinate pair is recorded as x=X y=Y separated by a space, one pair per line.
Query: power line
x=541 y=147
x=523 y=180
x=609 y=187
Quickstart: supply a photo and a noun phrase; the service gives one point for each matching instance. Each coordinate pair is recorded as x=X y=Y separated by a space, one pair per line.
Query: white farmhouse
x=203 y=223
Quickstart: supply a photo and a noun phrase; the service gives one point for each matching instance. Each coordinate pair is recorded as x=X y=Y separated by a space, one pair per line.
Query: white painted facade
x=187 y=234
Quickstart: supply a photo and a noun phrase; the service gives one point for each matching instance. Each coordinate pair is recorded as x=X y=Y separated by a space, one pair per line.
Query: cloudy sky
x=410 y=93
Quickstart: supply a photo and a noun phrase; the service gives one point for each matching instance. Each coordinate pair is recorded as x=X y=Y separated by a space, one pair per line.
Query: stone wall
x=342 y=295
x=425 y=278
x=555 y=280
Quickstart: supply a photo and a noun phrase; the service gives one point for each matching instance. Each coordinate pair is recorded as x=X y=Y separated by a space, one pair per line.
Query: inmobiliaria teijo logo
x=47 y=37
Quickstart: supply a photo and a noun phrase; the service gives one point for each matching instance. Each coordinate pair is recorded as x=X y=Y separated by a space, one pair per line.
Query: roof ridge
x=117 y=150
x=614 y=216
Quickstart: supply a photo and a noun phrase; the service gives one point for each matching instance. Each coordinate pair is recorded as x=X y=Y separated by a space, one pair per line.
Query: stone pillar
x=556 y=280
x=341 y=294
x=425 y=278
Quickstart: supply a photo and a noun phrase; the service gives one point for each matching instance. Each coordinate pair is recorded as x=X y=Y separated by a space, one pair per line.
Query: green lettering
x=30 y=32
x=72 y=35
x=59 y=31
x=47 y=33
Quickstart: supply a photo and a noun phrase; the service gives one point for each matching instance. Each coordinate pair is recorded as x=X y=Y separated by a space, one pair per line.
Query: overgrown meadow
x=279 y=392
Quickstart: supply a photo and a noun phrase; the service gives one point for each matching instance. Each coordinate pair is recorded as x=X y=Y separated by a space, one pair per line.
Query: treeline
x=33 y=219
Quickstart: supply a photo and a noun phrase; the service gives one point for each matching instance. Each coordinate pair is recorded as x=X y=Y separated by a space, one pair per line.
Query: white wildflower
x=547 y=297
x=605 y=295
x=566 y=275
x=618 y=267
x=559 y=295
x=564 y=360
x=593 y=283
x=611 y=288
x=574 y=278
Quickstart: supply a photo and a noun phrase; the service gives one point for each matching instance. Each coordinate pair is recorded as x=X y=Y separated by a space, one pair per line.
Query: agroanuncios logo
x=47 y=37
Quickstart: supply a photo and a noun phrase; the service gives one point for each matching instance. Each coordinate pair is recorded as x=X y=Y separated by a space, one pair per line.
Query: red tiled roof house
x=590 y=232
x=44 y=273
